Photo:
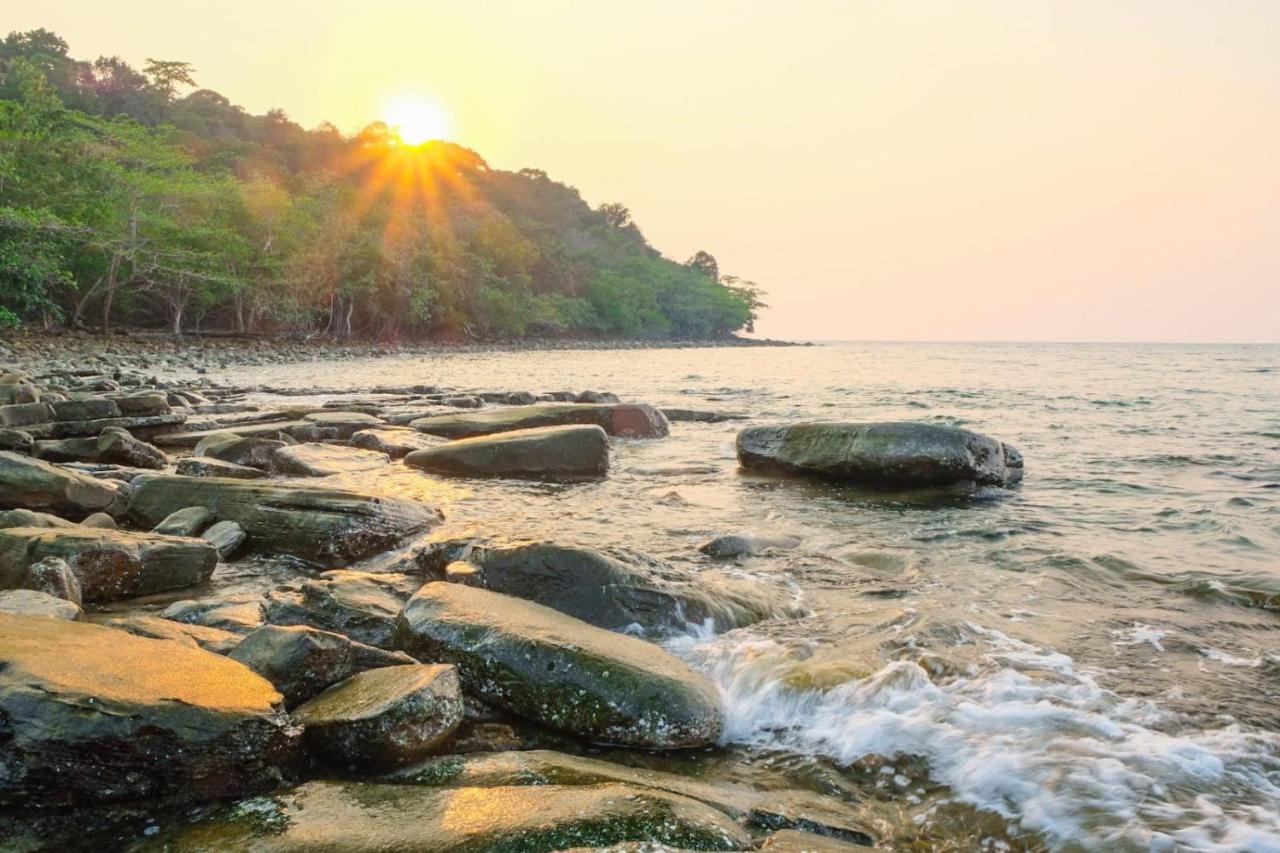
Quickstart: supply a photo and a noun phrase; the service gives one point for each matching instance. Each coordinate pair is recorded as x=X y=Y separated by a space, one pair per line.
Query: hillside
x=123 y=200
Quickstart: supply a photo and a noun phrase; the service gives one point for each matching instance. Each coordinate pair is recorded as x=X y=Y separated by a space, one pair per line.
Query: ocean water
x=1090 y=661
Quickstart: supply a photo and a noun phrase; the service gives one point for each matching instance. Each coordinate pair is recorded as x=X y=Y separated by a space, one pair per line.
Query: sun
x=415 y=118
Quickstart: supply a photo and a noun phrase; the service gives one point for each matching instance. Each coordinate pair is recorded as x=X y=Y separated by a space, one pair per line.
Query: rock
x=460 y=571
x=395 y=442
x=628 y=421
x=328 y=527
x=343 y=425
x=624 y=590
x=31 y=484
x=560 y=672
x=100 y=520
x=85 y=409
x=143 y=404
x=746 y=545
x=25 y=414
x=111 y=717
x=568 y=451
x=361 y=605
x=30 y=602
x=110 y=564
x=27 y=518
x=323 y=460
x=196 y=466
x=302 y=661
x=16 y=440
x=701 y=417
x=796 y=841
x=141 y=427
x=596 y=397
x=118 y=447
x=248 y=430
x=881 y=454
x=196 y=636
x=17 y=391
x=190 y=521
x=52 y=575
x=763 y=808
x=252 y=451
x=464 y=401
x=383 y=717
x=239 y=613
x=66 y=450
x=360 y=816
x=227 y=537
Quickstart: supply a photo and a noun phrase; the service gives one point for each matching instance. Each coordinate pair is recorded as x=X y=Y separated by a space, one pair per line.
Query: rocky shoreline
x=394 y=675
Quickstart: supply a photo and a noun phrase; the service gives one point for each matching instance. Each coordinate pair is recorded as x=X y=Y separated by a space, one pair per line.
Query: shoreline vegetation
x=134 y=197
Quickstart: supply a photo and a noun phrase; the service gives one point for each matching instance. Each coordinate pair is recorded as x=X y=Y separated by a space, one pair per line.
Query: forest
x=135 y=198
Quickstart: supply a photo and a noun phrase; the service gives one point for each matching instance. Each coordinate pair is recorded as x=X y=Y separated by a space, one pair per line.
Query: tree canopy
x=137 y=197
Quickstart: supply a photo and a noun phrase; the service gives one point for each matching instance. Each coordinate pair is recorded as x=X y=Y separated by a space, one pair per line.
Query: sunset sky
x=1012 y=170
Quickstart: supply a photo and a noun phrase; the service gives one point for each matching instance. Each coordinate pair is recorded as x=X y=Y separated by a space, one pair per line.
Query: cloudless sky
x=903 y=169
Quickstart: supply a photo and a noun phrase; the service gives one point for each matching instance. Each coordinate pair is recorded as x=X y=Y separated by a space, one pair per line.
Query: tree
x=705 y=263
x=167 y=75
x=617 y=216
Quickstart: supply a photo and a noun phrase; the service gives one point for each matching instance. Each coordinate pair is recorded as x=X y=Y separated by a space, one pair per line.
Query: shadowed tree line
x=123 y=200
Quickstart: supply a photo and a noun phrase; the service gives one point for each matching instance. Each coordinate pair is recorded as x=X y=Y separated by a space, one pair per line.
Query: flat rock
x=143 y=427
x=328 y=527
x=797 y=841
x=190 y=521
x=383 y=717
x=396 y=442
x=157 y=628
x=30 y=602
x=541 y=452
x=31 y=484
x=111 y=717
x=198 y=466
x=191 y=438
x=323 y=460
x=342 y=424
x=891 y=454
x=252 y=451
x=559 y=671
x=362 y=605
x=627 y=421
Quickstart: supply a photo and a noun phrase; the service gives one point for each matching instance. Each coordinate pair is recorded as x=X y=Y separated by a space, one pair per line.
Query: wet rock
x=628 y=421
x=196 y=466
x=239 y=613
x=460 y=571
x=560 y=672
x=16 y=440
x=881 y=454
x=361 y=816
x=796 y=841
x=30 y=602
x=342 y=425
x=381 y=717
x=699 y=416
x=746 y=545
x=251 y=451
x=190 y=521
x=396 y=443
x=227 y=537
x=361 y=605
x=302 y=661
x=157 y=628
x=328 y=527
x=110 y=564
x=623 y=590
x=249 y=430
x=567 y=451
x=100 y=520
x=85 y=409
x=27 y=518
x=323 y=460
x=52 y=575
x=116 y=446
x=112 y=717
x=32 y=484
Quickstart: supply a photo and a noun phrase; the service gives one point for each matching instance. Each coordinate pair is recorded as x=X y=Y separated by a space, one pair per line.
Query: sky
x=1093 y=170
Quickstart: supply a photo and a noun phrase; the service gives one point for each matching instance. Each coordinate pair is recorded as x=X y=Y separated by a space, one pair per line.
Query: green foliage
x=123 y=199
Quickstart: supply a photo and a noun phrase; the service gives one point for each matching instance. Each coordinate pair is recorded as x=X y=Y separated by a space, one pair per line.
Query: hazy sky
x=986 y=170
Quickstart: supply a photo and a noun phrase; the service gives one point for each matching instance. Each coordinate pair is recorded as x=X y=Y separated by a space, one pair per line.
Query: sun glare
x=416 y=119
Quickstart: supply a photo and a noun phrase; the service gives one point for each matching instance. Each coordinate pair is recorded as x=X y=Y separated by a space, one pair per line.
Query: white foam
x=1029 y=737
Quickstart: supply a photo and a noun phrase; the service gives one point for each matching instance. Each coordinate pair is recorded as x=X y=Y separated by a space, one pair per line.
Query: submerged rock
x=93 y=714
x=746 y=545
x=565 y=451
x=328 y=527
x=561 y=672
x=27 y=483
x=109 y=564
x=534 y=819
x=323 y=460
x=882 y=454
x=627 y=421
x=386 y=716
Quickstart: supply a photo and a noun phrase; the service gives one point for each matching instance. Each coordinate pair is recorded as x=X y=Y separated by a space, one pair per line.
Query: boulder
x=252 y=451
x=143 y=403
x=157 y=628
x=198 y=466
x=561 y=672
x=302 y=661
x=27 y=483
x=116 y=446
x=190 y=521
x=889 y=454
x=627 y=421
x=393 y=441
x=532 y=819
x=110 y=717
x=567 y=451
x=322 y=460
x=623 y=590
x=109 y=564
x=30 y=602
x=101 y=520
x=596 y=397
x=53 y=576
x=383 y=717
x=362 y=605
x=328 y=527
x=227 y=537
